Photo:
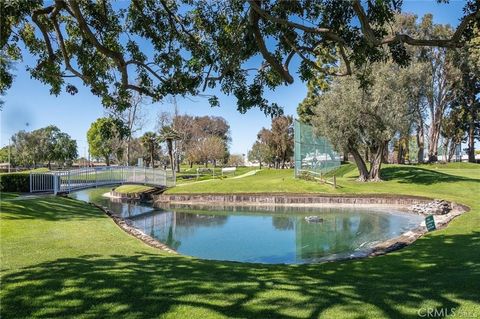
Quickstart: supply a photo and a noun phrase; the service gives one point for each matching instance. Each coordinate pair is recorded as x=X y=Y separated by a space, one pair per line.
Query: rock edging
x=125 y=225
x=441 y=221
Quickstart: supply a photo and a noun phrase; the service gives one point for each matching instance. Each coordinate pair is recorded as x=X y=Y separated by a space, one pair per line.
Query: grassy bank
x=132 y=189
x=449 y=181
x=62 y=258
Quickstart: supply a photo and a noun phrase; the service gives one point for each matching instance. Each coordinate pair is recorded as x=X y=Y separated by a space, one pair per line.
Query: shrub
x=15 y=182
x=306 y=176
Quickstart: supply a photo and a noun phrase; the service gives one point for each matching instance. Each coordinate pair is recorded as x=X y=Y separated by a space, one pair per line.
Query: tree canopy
x=164 y=47
x=104 y=137
x=48 y=144
x=353 y=119
x=274 y=145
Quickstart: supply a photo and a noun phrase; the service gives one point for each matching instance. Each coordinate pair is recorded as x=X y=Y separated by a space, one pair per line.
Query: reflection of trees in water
x=342 y=230
x=167 y=226
x=335 y=235
x=171 y=241
x=283 y=222
x=124 y=208
x=189 y=220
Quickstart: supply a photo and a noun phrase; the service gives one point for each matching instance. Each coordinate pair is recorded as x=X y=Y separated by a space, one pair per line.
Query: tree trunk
x=376 y=162
x=433 y=143
x=260 y=162
x=420 y=143
x=402 y=150
x=361 y=166
x=446 y=158
x=471 y=142
x=151 y=159
x=107 y=160
x=434 y=134
x=399 y=153
x=170 y=155
x=127 y=151
x=451 y=152
x=385 y=154
x=406 y=153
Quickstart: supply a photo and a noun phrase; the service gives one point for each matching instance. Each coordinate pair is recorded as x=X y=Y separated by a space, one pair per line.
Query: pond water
x=260 y=234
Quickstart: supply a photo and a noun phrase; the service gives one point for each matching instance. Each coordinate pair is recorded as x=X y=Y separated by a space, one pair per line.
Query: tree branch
x=253 y=19
x=149 y=69
x=116 y=56
x=454 y=41
x=66 y=58
x=298 y=50
x=43 y=29
x=327 y=33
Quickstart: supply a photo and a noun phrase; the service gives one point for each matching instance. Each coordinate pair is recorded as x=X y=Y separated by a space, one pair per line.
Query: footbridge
x=69 y=180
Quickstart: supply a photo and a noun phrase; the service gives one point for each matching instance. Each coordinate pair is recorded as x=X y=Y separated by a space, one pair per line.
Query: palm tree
x=149 y=141
x=168 y=135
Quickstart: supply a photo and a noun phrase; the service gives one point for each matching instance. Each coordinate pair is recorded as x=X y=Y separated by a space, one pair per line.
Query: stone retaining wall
x=289 y=199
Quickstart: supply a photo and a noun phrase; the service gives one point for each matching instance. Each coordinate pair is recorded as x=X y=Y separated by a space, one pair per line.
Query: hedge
x=15 y=182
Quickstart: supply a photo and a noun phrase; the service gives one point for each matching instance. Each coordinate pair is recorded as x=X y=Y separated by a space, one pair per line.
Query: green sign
x=430 y=223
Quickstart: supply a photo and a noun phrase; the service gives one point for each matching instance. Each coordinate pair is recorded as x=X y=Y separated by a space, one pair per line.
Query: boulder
x=436 y=207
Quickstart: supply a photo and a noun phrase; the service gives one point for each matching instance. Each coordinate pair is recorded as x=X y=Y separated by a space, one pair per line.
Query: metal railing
x=69 y=180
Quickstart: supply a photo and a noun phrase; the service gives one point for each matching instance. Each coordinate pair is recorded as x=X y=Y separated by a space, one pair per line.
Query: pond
x=261 y=234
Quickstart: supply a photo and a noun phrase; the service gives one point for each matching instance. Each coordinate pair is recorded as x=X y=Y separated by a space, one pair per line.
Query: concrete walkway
x=246 y=174
x=214 y=179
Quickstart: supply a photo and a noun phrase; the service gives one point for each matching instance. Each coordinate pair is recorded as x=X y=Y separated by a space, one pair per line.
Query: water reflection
x=260 y=234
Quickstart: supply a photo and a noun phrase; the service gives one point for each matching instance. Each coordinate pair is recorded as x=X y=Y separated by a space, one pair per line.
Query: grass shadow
x=417 y=175
x=440 y=269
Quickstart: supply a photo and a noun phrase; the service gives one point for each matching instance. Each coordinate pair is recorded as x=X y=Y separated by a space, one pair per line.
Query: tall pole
x=9 y=155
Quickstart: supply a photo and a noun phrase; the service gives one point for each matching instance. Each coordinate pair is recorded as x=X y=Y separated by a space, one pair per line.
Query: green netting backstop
x=313 y=153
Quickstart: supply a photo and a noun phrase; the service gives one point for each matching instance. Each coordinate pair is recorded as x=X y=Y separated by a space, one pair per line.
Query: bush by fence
x=15 y=182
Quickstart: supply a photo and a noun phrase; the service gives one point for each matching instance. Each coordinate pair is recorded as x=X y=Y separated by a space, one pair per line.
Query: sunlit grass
x=129 y=189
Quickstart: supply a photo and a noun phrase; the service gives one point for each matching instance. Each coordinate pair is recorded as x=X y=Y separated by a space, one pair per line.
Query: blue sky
x=28 y=104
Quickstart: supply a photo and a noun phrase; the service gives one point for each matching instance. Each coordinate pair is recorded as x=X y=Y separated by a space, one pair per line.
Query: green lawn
x=129 y=189
x=63 y=258
x=450 y=181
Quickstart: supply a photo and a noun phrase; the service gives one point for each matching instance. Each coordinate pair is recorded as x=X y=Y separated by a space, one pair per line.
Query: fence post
x=29 y=181
x=55 y=184
x=95 y=176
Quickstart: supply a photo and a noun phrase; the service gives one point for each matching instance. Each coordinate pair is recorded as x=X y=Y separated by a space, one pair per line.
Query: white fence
x=66 y=181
